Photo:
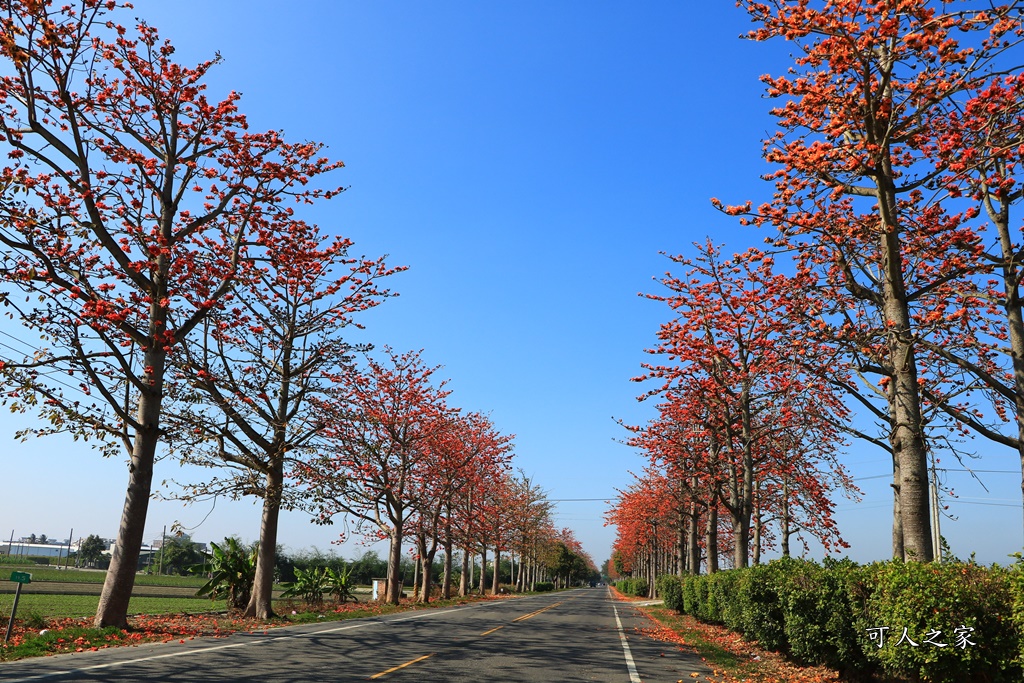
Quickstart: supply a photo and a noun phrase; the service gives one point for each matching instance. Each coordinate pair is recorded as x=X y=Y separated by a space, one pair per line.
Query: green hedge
x=834 y=613
x=670 y=588
x=543 y=587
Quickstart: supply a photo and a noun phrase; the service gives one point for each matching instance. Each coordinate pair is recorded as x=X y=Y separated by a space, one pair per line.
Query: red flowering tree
x=737 y=340
x=378 y=423
x=467 y=452
x=129 y=203
x=638 y=514
x=981 y=331
x=252 y=367
x=531 y=519
x=863 y=113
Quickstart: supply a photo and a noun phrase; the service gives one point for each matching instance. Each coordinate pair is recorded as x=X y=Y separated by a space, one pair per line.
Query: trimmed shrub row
x=911 y=621
x=638 y=587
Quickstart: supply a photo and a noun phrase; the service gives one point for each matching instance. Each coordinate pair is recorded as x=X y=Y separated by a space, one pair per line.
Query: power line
x=942 y=469
x=998 y=505
x=579 y=500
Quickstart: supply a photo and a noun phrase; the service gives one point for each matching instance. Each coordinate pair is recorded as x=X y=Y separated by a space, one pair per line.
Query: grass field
x=57 y=606
x=91 y=576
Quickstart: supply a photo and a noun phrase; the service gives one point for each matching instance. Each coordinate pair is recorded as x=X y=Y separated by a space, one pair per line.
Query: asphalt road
x=581 y=635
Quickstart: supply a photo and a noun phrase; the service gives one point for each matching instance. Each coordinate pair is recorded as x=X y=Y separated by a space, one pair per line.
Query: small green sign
x=21 y=577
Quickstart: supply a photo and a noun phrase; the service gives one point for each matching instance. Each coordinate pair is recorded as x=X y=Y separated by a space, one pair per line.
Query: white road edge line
x=109 y=665
x=427 y=613
x=634 y=677
x=197 y=651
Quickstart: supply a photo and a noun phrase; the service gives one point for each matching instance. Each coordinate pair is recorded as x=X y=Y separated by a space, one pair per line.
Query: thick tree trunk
x=446 y=589
x=745 y=499
x=427 y=574
x=756 y=542
x=496 y=581
x=741 y=537
x=124 y=563
x=520 y=576
x=897 y=518
x=693 y=542
x=466 y=579
x=785 y=518
x=907 y=438
x=711 y=539
x=682 y=555
x=260 y=602
x=395 y=579
x=1014 y=317
x=483 y=570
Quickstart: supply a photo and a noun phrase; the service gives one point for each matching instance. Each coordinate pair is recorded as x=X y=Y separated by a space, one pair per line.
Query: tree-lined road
x=582 y=635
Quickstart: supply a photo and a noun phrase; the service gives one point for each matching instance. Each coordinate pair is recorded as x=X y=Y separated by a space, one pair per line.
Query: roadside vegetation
x=60 y=624
x=892 y=621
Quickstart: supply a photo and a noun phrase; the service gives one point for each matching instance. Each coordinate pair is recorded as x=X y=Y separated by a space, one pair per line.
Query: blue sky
x=527 y=161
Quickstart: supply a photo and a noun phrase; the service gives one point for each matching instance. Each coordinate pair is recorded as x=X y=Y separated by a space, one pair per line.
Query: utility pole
x=163 y=542
x=67 y=559
x=936 y=514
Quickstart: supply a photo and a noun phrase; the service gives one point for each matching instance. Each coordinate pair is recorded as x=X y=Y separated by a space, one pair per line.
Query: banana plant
x=232 y=571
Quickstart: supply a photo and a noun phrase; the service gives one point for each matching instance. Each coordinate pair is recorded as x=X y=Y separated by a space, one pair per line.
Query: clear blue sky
x=528 y=161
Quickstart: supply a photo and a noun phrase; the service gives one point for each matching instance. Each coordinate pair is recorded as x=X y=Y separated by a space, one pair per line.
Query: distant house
x=23 y=548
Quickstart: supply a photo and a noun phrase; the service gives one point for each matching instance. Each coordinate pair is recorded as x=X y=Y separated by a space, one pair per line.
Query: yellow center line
x=533 y=614
x=401 y=666
x=487 y=633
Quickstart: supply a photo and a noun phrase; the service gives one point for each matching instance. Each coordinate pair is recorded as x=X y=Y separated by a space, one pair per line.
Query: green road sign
x=21 y=577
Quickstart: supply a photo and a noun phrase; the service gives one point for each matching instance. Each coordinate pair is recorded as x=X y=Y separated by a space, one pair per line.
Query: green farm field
x=58 y=606
x=96 y=576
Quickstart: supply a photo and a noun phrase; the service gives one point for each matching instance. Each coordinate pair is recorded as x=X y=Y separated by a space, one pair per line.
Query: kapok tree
x=463 y=453
x=639 y=512
x=377 y=424
x=531 y=516
x=473 y=513
x=864 y=107
x=982 y=330
x=250 y=370
x=684 y=444
x=128 y=203
x=501 y=501
x=735 y=334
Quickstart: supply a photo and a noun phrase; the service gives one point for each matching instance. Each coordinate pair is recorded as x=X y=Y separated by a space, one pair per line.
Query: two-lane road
x=581 y=635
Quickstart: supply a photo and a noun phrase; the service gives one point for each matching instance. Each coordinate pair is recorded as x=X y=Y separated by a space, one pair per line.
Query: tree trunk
x=260 y=602
x=682 y=555
x=395 y=579
x=756 y=559
x=483 y=570
x=446 y=589
x=428 y=574
x=693 y=542
x=785 y=518
x=711 y=539
x=496 y=581
x=907 y=437
x=112 y=609
x=466 y=580
x=745 y=509
x=897 y=518
x=1014 y=317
